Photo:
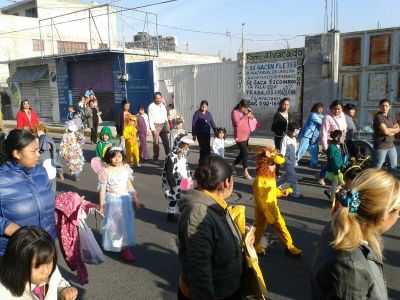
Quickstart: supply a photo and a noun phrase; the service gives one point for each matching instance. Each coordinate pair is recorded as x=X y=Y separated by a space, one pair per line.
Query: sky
x=268 y=24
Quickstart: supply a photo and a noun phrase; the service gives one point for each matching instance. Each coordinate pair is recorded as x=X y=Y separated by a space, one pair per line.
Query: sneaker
x=248 y=177
x=139 y=165
x=76 y=178
x=146 y=158
x=321 y=181
x=293 y=251
x=298 y=196
x=127 y=255
x=327 y=194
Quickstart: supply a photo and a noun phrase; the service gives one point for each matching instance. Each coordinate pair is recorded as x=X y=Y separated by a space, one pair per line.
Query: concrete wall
x=320 y=70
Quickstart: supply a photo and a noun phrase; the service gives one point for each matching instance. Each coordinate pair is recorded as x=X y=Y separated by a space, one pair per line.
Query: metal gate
x=38 y=93
x=140 y=85
x=98 y=75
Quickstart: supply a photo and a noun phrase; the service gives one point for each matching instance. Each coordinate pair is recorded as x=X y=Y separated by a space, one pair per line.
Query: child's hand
x=286 y=192
x=68 y=293
x=136 y=201
x=101 y=210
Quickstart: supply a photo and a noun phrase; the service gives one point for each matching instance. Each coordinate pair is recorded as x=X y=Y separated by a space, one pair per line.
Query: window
x=38 y=45
x=31 y=12
x=377 y=86
x=379 y=49
x=350 y=85
x=71 y=47
x=351 y=51
x=103 y=46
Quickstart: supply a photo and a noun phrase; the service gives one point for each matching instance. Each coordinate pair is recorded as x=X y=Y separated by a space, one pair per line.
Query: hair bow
x=351 y=200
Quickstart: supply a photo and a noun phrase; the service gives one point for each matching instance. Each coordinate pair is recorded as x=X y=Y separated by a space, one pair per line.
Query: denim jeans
x=305 y=145
x=291 y=176
x=380 y=157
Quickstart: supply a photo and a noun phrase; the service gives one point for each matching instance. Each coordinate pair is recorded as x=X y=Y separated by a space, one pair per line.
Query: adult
x=333 y=120
x=26 y=196
x=310 y=135
x=281 y=120
x=241 y=132
x=349 y=114
x=159 y=126
x=26 y=116
x=385 y=127
x=210 y=251
x=201 y=125
x=122 y=115
x=348 y=263
x=6 y=105
x=92 y=117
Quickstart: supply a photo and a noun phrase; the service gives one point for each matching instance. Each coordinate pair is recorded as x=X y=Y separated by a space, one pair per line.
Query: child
x=177 y=129
x=29 y=268
x=71 y=149
x=334 y=163
x=105 y=141
x=175 y=171
x=71 y=111
x=143 y=131
x=78 y=121
x=266 y=202
x=131 y=144
x=288 y=150
x=48 y=154
x=116 y=194
x=218 y=145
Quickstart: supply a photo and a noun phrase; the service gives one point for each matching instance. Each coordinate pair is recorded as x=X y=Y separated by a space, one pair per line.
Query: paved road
x=155 y=273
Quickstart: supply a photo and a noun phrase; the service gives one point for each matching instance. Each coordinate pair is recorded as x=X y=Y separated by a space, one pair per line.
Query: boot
x=293 y=251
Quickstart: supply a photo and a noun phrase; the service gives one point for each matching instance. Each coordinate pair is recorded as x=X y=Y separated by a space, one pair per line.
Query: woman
x=349 y=114
x=310 y=135
x=92 y=116
x=240 y=117
x=201 y=125
x=26 y=196
x=281 y=120
x=209 y=242
x=385 y=127
x=348 y=260
x=26 y=116
x=121 y=117
x=334 y=120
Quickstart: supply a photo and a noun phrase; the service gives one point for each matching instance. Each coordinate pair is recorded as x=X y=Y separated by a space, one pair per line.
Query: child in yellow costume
x=131 y=143
x=266 y=203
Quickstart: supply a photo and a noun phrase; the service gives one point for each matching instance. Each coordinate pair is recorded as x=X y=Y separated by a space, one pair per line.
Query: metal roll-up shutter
x=38 y=93
x=98 y=75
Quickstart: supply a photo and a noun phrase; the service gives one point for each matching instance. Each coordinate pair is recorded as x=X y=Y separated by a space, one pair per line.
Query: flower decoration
x=351 y=200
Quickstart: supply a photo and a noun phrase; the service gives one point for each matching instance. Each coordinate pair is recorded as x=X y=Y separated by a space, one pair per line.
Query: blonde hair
x=379 y=194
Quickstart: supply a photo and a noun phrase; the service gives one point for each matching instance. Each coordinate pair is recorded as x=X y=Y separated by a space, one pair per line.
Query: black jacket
x=279 y=124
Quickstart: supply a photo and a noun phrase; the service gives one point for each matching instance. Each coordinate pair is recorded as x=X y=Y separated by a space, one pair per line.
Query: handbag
x=253 y=123
x=90 y=250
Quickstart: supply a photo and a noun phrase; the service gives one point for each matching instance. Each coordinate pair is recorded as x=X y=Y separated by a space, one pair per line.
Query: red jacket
x=23 y=120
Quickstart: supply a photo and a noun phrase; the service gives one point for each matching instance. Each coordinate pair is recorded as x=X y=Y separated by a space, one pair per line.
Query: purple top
x=202 y=123
x=141 y=126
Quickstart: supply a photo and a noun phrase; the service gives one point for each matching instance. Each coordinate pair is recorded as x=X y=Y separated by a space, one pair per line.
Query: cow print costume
x=175 y=169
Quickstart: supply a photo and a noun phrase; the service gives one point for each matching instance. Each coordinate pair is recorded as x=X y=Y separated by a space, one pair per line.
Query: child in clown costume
x=131 y=143
x=266 y=202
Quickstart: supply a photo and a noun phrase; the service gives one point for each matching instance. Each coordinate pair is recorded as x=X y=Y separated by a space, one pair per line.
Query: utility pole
x=243 y=65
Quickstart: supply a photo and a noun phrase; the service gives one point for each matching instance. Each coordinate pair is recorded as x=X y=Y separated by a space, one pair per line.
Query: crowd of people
x=211 y=233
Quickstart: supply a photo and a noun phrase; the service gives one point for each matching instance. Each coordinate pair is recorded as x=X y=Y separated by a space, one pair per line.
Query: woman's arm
x=194 y=121
x=324 y=133
x=212 y=122
x=239 y=119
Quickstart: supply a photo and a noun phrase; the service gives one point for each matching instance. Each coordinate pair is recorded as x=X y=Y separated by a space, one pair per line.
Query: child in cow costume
x=266 y=202
x=176 y=174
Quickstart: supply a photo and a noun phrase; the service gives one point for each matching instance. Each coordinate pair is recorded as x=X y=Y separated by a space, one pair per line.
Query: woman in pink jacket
x=334 y=120
x=240 y=121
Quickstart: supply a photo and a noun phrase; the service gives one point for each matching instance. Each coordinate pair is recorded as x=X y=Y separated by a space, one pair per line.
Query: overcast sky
x=269 y=24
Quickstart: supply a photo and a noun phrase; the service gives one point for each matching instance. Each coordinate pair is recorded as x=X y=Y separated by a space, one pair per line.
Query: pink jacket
x=67 y=210
x=241 y=127
x=329 y=124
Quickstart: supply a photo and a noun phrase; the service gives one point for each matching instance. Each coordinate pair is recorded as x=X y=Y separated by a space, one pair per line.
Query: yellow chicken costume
x=266 y=203
x=131 y=143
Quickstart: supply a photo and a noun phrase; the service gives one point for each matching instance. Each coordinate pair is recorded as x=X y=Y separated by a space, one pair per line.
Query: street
x=154 y=275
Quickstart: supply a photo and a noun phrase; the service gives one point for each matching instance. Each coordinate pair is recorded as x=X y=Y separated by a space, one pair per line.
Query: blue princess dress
x=118 y=225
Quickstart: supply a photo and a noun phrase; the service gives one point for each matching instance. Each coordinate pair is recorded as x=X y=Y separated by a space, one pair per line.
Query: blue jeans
x=305 y=145
x=380 y=157
x=291 y=176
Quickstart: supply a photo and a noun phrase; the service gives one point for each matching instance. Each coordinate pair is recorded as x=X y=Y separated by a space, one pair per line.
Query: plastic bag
x=90 y=250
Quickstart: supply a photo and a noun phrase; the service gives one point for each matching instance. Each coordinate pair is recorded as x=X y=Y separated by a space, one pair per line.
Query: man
x=6 y=105
x=92 y=117
x=158 y=121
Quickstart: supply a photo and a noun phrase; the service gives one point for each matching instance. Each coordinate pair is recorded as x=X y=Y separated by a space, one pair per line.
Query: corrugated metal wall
x=38 y=93
x=216 y=83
